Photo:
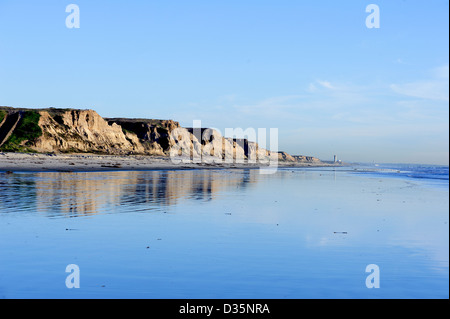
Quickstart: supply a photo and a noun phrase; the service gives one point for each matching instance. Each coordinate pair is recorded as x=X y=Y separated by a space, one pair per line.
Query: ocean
x=219 y=233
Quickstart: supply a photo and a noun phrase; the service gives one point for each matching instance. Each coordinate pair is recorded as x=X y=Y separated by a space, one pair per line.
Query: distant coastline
x=77 y=140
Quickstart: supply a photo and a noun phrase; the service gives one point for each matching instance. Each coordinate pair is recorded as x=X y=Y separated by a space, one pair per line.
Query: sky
x=312 y=69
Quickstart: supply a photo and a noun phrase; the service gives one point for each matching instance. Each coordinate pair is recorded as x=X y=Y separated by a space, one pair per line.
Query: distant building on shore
x=335 y=160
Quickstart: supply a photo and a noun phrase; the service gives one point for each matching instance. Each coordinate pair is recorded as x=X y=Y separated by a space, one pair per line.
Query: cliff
x=84 y=131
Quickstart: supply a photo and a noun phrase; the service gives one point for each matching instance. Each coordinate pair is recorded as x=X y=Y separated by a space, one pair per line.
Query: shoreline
x=37 y=162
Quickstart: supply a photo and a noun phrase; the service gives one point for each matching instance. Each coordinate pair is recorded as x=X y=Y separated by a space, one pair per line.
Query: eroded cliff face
x=153 y=131
x=85 y=131
x=81 y=131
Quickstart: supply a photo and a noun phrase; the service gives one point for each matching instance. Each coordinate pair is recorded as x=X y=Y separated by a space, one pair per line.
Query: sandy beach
x=33 y=162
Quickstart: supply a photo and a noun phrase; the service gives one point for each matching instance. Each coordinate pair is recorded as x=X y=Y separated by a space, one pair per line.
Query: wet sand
x=17 y=162
x=227 y=234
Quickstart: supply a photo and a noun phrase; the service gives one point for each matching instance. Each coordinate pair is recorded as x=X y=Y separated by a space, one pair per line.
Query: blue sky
x=312 y=69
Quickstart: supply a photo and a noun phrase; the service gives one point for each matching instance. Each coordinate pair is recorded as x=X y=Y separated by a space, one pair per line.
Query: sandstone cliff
x=84 y=131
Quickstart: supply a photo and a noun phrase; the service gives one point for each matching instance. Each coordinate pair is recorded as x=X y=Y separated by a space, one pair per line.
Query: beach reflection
x=299 y=233
x=91 y=193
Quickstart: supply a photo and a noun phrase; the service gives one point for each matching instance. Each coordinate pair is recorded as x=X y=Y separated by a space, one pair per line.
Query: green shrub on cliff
x=27 y=130
x=2 y=115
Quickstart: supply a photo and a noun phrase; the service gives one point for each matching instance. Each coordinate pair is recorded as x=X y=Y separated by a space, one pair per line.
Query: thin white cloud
x=435 y=88
x=318 y=84
x=326 y=85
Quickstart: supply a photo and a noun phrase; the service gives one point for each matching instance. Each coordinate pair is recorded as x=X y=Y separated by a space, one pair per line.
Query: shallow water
x=300 y=233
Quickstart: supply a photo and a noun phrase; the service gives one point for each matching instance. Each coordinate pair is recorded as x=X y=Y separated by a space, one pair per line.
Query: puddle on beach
x=299 y=233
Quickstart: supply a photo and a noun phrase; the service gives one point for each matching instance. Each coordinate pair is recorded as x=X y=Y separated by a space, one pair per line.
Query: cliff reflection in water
x=80 y=194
